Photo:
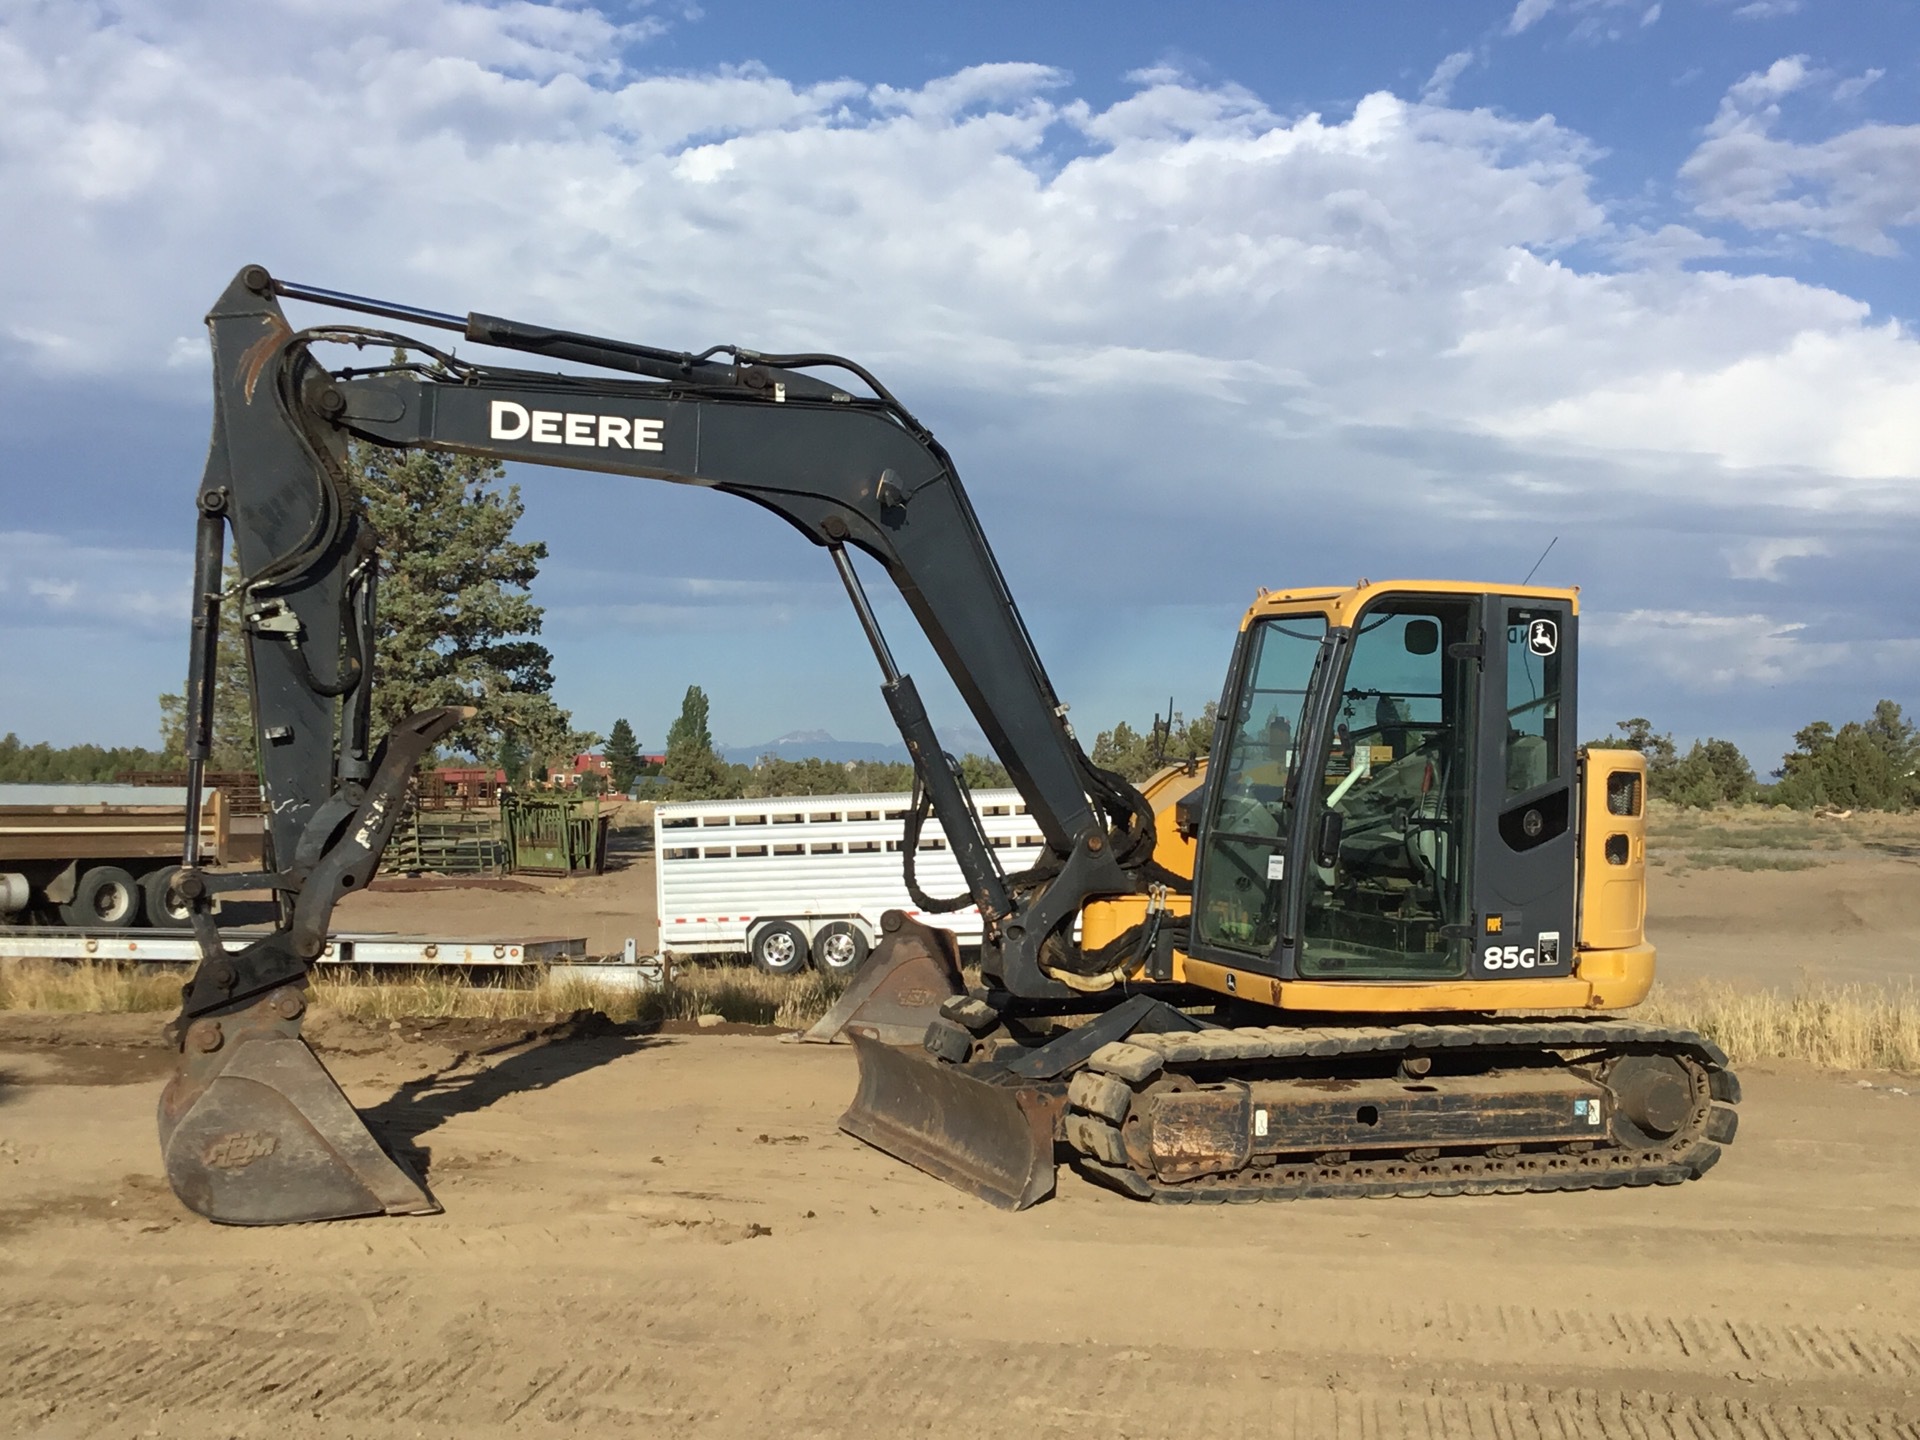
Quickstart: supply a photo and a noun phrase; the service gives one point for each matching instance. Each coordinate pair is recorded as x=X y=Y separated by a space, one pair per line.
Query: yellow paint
x=1103 y=921
x=1343 y=606
x=1613 y=898
x=1602 y=980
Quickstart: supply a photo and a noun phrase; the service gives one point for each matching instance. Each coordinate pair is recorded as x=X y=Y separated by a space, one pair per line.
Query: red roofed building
x=583 y=766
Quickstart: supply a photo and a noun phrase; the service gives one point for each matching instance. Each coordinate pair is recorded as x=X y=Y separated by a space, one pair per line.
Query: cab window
x=1252 y=794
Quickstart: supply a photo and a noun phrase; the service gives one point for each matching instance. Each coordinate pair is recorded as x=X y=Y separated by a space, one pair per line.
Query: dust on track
x=666 y=1234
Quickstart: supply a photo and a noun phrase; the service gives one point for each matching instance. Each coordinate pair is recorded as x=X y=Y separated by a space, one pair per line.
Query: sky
x=1201 y=298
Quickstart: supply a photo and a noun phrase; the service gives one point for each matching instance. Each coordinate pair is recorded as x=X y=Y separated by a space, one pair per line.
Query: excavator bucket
x=899 y=989
x=254 y=1130
x=994 y=1141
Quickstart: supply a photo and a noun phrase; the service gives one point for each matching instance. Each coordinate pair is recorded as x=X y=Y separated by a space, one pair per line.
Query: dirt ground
x=667 y=1235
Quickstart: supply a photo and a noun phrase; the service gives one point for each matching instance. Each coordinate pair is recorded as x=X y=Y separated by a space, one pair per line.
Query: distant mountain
x=819 y=745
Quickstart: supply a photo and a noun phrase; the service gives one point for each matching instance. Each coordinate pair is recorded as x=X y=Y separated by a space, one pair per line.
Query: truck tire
x=780 y=949
x=838 y=948
x=106 y=895
x=164 y=911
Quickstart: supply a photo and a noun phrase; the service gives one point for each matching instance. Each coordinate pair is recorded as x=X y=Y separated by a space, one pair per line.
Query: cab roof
x=1342 y=604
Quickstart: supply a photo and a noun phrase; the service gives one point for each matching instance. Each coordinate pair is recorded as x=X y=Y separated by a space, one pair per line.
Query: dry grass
x=1748 y=860
x=743 y=996
x=90 y=987
x=1766 y=837
x=1850 y=1027
x=1846 y=1028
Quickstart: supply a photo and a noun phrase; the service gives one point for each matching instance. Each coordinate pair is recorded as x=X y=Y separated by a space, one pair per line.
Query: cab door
x=1524 y=882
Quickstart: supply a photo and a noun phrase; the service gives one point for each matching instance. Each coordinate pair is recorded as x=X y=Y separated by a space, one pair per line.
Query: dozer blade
x=899 y=988
x=993 y=1141
x=254 y=1130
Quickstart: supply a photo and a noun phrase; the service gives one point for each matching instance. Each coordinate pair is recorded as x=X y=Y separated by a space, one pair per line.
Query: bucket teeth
x=255 y=1131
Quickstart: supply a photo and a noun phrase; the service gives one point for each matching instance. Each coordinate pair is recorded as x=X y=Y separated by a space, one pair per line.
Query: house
x=586 y=764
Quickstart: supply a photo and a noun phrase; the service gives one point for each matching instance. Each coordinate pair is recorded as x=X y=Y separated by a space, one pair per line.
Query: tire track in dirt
x=324 y=1365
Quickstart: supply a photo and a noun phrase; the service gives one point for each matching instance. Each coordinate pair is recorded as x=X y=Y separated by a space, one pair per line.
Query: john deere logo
x=1543 y=637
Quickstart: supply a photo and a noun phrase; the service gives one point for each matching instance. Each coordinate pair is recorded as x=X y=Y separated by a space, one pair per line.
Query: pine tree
x=694 y=771
x=456 y=621
x=623 y=755
x=1175 y=741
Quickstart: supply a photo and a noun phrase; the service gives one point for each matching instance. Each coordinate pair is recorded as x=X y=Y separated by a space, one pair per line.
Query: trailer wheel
x=838 y=948
x=105 y=895
x=780 y=949
x=165 y=910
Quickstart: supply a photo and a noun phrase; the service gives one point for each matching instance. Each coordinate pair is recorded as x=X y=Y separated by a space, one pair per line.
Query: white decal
x=1507 y=957
x=1543 y=637
x=508 y=421
x=1276 y=867
x=505 y=414
x=1260 y=1121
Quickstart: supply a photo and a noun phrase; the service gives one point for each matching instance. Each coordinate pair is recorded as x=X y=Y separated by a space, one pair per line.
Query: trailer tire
x=838 y=948
x=165 y=911
x=779 y=948
x=104 y=895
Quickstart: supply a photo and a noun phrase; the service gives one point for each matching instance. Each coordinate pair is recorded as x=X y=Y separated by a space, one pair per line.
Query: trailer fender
x=59 y=890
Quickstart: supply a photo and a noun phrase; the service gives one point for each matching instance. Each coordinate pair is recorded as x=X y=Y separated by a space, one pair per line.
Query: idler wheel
x=1652 y=1098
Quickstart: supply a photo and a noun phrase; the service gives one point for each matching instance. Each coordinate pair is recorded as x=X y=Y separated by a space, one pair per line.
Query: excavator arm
x=254 y=1129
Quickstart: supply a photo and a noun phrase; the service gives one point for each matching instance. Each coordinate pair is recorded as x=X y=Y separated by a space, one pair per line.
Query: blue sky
x=1201 y=298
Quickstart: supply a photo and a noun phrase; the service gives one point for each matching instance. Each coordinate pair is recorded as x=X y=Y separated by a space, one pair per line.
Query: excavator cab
x=1420 y=792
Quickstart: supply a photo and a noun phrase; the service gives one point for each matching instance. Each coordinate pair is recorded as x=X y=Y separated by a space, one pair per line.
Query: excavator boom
x=832 y=453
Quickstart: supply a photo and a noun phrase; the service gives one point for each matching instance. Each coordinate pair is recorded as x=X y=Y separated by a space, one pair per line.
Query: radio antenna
x=1543 y=558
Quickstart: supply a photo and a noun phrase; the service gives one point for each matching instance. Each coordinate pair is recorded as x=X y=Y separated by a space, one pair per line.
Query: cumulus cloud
x=1852 y=189
x=1343 y=329
x=1404 y=266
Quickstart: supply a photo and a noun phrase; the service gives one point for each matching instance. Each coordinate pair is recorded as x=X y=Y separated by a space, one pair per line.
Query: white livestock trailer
x=804 y=876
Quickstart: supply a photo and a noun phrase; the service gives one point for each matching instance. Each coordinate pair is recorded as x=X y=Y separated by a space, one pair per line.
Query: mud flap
x=992 y=1140
x=899 y=988
x=254 y=1131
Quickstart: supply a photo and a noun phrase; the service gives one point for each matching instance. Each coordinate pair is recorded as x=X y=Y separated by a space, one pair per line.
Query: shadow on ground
x=470 y=1084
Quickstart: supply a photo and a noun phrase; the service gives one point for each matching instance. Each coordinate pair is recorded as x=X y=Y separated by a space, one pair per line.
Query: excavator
x=1373 y=944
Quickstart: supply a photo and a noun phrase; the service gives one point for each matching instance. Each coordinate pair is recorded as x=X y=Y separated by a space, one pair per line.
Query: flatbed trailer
x=102 y=855
x=149 y=947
